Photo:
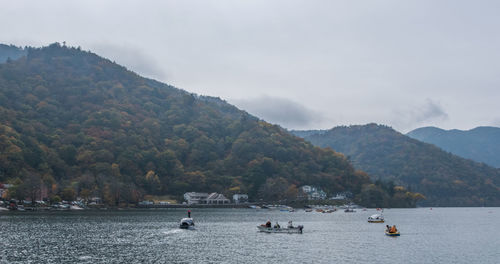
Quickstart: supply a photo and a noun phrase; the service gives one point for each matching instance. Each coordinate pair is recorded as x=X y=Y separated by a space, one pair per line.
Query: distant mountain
x=445 y=179
x=10 y=52
x=83 y=125
x=481 y=144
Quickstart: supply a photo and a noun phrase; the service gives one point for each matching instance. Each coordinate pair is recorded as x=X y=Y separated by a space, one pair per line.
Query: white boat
x=288 y=230
x=187 y=223
x=75 y=207
x=376 y=218
x=349 y=210
x=277 y=229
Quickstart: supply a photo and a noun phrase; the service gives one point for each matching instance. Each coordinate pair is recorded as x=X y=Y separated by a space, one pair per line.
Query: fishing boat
x=349 y=210
x=391 y=231
x=290 y=229
x=376 y=218
x=187 y=223
x=287 y=209
x=75 y=207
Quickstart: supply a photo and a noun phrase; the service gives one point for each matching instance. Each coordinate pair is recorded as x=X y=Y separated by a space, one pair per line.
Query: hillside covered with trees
x=83 y=125
x=481 y=144
x=387 y=155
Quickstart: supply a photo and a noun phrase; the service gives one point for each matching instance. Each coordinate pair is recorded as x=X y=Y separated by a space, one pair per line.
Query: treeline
x=83 y=125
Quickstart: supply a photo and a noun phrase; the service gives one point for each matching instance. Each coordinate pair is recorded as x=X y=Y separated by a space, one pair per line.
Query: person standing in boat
x=268 y=223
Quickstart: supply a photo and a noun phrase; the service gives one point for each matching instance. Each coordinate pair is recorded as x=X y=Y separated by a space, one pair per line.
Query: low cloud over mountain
x=282 y=111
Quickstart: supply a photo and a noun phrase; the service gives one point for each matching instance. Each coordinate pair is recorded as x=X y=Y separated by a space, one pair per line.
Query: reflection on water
x=441 y=235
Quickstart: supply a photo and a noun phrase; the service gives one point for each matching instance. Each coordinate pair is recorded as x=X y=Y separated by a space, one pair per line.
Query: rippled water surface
x=441 y=235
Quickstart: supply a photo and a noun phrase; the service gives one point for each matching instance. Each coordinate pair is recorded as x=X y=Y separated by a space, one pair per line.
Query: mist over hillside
x=10 y=52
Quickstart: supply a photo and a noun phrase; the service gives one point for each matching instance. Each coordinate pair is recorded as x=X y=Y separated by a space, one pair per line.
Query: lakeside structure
x=313 y=193
x=205 y=198
x=240 y=198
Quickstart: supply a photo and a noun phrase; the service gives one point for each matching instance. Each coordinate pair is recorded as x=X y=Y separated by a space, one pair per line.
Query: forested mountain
x=84 y=125
x=445 y=179
x=481 y=144
x=10 y=52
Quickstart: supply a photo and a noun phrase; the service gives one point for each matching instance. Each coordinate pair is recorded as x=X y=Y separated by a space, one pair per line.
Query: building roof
x=196 y=194
x=216 y=196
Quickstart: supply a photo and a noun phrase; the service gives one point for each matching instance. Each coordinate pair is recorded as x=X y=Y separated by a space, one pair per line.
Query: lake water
x=440 y=235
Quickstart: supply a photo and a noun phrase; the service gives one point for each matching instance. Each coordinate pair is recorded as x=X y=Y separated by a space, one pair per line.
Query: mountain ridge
x=83 y=125
x=445 y=179
x=481 y=144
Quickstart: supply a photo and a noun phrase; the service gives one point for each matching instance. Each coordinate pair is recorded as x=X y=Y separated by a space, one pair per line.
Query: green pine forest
x=82 y=125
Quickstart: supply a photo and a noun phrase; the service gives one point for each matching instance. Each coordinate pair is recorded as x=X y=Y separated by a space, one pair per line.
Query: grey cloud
x=345 y=59
x=412 y=117
x=429 y=111
x=282 y=111
x=133 y=58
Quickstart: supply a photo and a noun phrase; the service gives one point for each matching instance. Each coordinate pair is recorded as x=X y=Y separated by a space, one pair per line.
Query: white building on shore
x=313 y=193
x=205 y=198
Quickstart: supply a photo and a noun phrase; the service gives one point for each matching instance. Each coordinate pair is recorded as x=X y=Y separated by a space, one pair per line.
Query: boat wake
x=173 y=231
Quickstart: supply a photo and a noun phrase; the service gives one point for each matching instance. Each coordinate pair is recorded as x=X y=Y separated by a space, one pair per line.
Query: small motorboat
x=308 y=210
x=290 y=229
x=387 y=233
x=376 y=218
x=75 y=207
x=391 y=231
x=187 y=223
x=349 y=210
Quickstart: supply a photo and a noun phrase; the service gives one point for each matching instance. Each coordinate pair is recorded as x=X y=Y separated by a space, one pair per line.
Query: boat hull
x=392 y=234
x=292 y=230
x=186 y=223
x=376 y=221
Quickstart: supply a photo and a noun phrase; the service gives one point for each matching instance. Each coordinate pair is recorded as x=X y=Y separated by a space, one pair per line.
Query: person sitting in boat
x=388 y=228
x=277 y=225
x=290 y=225
x=268 y=223
x=393 y=229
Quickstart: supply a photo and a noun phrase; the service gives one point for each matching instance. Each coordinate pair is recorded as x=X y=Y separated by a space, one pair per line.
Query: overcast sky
x=301 y=64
